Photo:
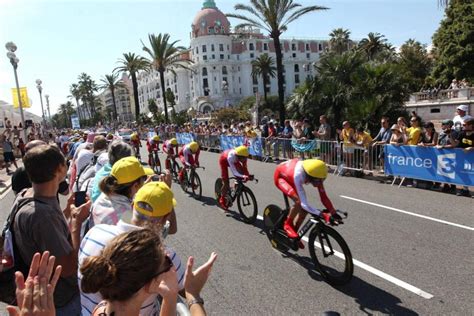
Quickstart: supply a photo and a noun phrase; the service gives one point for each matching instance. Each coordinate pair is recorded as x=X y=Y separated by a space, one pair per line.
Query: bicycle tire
x=175 y=171
x=218 y=189
x=331 y=275
x=184 y=183
x=157 y=166
x=196 y=186
x=271 y=214
x=246 y=196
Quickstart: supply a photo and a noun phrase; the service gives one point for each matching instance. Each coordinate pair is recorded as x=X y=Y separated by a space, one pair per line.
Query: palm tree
x=273 y=16
x=65 y=111
x=76 y=94
x=164 y=55
x=87 y=87
x=340 y=40
x=112 y=82
x=133 y=64
x=374 y=44
x=263 y=66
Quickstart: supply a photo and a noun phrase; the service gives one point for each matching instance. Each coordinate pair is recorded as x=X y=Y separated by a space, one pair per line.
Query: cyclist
x=136 y=144
x=152 y=144
x=289 y=177
x=189 y=156
x=169 y=148
x=236 y=160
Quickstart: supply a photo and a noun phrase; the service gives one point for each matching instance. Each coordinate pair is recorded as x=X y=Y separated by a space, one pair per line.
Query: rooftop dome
x=210 y=21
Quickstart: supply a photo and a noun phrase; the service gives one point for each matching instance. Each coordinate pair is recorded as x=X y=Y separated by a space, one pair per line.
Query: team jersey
x=135 y=143
x=151 y=145
x=187 y=157
x=168 y=148
x=230 y=159
x=292 y=174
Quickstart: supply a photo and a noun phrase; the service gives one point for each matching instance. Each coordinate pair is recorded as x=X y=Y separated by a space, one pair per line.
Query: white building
x=221 y=69
x=123 y=100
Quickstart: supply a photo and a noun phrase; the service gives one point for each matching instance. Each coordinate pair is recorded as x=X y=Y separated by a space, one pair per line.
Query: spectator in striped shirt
x=152 y=206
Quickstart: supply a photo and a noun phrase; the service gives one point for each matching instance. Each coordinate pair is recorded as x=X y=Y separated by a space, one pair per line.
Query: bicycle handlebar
x=240 y=179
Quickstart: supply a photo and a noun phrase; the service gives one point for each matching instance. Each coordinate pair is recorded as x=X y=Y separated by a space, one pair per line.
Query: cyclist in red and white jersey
x=152 y=144
x=289 y=177
x=189 y=156
x=169 y=148
x=236 y=160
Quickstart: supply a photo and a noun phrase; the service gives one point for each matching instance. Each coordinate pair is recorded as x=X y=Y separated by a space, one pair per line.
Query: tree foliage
x=264 y=67
x=226 y=115
x=414 y=60
x=454 y=43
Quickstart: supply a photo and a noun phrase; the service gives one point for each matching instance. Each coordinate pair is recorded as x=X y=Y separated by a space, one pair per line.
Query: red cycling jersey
x=187 y=157
x=289 y=177
x=168 y=148
x=229 y=159
x=152 y=145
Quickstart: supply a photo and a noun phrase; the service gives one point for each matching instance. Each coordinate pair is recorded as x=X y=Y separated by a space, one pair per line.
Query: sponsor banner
x=25 y=102
x=427 y=163
x=75 y=122
x=254 y=144
x=184 y=138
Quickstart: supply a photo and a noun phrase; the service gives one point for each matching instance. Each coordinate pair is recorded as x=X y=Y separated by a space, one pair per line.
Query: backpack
x=10 y=256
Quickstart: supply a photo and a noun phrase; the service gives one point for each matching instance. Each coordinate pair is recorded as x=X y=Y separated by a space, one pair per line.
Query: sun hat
x=154 y=199
x=447 y=122
x=462 y=107
x=129 y=169
x=395 y=127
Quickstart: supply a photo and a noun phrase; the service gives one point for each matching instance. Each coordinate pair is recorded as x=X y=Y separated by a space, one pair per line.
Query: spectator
x=398 y=136
x=40 y=225
x=272 y=134
x=16 y=132
x=287 y=134
x=87 y=157
x=430 y=136
x=347 y=136
x=152 y=207
x=465 y=140
x=8 y=156
x=21 y=146
x=414 y=132
x=118 y=188
x=461 y=116
x=444 y=141
x=402 y=123
x=324 y=134
x=382 y=138
x=454 y=85
x=63 y=139
x=363 y=139
x=117 y=150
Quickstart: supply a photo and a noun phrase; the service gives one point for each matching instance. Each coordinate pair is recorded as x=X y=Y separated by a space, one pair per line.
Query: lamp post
x=11 y=48
x=47 y=105
x=40 y=90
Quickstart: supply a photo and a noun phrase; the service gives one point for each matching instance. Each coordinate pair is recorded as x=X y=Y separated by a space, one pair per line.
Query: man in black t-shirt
x=465 y=140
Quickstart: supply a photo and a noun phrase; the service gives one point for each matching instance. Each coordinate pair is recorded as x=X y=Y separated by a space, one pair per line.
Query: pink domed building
x=221 y=69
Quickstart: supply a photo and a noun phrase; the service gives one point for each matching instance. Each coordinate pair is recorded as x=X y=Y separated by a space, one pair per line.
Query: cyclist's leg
x=168 y=162
x=183 y=170
x=150 y=160
x=300 y=216
x=290 y=192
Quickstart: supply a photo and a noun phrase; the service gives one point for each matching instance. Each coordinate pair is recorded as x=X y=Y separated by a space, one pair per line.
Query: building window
x=297 y=68
x=320 y=47
x=215 y=78
x=213 y=56
x=221 y=47
x=197 y=50
x=293 y=46
x=221 y=56
x=436 y=110
x=212 y=47
x=307 y=46
x=238 y=57
x=228 y=56
x=255 y=90
x=297 y=79
x=211 y=30
x=228 y=47
x=204 y=48
x=251 y=46
x=294 y=55
x=265 y=46
x=240 y=90
x=255 y=80
x=308 y=55
x=224 y=70
x=252 y=55
x=238 y=68
x=239 y=79
x=205 y=86
x=204 y=71
x=204 y=57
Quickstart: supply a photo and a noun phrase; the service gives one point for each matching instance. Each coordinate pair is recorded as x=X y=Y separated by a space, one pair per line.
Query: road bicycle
x=191 y=182
x=246 y=201
x=329 y=251
x=155 y=161
x=175 y=168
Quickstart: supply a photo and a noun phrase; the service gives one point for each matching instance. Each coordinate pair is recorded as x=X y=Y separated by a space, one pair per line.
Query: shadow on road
x=369 y=297
x=208 y=201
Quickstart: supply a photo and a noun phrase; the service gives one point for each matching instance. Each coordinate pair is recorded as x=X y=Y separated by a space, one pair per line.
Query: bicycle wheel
x=331 y=255
x=157 y=165
x=247 y=205
x=196 y=186
x=175 y=171
x=217 y=189
x=184 y=183
x=271 y=216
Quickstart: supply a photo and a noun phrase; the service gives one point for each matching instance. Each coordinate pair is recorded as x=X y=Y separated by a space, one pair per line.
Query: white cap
x=462 y=107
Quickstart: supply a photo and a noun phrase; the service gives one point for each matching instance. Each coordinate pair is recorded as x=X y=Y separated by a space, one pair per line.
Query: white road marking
x=378 y=273
x=409 y=213
x=5 y=193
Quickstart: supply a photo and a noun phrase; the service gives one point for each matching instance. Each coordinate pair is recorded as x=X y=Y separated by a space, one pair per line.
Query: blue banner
x=303 y=147
x=427 y=163
x=254 y=144
x=184 y=138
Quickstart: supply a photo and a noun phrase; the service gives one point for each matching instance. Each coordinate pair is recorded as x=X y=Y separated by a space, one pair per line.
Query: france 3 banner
x=426 y=163
x=184 y=138
x=254 y=144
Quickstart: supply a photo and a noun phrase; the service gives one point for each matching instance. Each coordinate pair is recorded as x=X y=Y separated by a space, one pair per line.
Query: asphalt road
x=412 y=249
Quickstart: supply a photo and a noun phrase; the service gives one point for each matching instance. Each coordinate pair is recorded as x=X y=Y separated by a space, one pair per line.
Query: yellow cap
x=156 y=138
x=174 y=141
x=134 y=136
x=129 y=169
x=242 y=151
x=154 y=199
x=315 y=168
x=193 y=146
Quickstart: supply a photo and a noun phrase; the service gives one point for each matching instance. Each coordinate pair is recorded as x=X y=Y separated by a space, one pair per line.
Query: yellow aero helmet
x=156 y=138
x=174 y=141
x=134 y=136
x=315 y=168
x=193 y=146
x=242 y=151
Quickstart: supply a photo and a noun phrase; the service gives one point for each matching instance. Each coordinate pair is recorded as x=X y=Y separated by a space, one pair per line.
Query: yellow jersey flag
x=25 y=101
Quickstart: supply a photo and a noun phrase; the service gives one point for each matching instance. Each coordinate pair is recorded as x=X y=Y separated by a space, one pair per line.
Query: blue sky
x=59 y=39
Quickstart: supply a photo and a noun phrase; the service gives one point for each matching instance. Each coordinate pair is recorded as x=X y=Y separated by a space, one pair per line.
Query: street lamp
x=11 y=48
x=47 y=105
x=40 y=90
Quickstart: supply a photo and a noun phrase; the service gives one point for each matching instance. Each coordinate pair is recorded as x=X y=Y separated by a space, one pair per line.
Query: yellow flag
x=25 y=101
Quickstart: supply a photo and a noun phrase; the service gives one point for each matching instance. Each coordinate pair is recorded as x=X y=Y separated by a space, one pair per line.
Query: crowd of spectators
x=433 y=91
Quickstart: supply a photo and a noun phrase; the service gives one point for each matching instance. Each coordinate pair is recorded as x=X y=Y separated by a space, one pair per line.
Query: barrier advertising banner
x=254 y=144
x=427 y=163
x=184 y=138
